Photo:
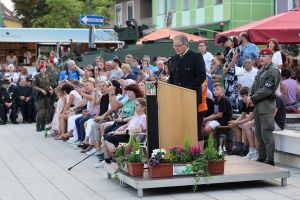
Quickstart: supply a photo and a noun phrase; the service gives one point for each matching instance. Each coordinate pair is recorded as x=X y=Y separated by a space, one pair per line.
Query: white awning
x=56 y=35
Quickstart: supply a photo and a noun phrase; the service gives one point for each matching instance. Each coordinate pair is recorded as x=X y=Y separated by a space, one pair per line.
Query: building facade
x=206 y=16
x=7 y=18
x=139 y=10
x=283 y=6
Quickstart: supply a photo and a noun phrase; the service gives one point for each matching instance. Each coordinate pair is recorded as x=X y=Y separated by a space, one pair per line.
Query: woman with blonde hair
x=126 y=69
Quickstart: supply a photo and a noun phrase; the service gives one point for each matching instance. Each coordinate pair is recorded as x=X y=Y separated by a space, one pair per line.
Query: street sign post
x=91 y=20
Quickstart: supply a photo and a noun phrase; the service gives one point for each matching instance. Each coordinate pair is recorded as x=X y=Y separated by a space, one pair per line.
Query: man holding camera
x=8 y=100
x=42 y=85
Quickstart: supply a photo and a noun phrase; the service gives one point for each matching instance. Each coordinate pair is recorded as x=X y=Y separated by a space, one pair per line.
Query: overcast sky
x=8 y=3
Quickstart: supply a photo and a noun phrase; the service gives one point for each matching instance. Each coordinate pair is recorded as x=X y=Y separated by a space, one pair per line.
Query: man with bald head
x=73 y=72
x=160 y=68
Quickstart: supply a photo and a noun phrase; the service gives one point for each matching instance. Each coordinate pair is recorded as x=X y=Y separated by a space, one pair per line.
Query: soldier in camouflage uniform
x=42 y=85
x=262 y=95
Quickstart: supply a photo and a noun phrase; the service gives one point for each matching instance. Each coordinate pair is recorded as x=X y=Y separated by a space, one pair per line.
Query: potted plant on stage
x=215 y=158
x=129 y=157
x=134 y=157
x=179 y=160
x=119 y=155
x=159 y=165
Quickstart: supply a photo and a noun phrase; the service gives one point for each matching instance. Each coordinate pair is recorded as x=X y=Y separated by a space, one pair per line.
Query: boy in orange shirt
x=202 y=108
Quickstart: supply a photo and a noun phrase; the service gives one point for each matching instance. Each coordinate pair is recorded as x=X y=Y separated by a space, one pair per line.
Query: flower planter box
x=161 y=170
x=216 y=167
x=135 y=169
x=170 y=169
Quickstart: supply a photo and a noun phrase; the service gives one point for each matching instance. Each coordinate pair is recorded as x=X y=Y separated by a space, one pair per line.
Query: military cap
x=266 y=51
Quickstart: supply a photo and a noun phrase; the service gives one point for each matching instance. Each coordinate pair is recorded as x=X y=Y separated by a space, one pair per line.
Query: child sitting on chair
x=245 y=123
x=222 y=111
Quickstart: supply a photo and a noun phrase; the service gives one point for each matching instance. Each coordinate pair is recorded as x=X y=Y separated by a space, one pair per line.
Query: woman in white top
x=276 y=59
x=116 y=73
x=101 y=73
x=137 y=125
x=60 y=104
x=72 y=98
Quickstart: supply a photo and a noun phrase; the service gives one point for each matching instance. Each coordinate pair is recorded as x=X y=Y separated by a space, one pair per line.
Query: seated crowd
x=97 y=107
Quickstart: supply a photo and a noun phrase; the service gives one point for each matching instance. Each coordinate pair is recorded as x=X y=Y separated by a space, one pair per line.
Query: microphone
x=168 y=60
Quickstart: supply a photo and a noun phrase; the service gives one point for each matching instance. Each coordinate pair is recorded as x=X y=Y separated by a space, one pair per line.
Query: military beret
x=266 y=51
x=41 y=66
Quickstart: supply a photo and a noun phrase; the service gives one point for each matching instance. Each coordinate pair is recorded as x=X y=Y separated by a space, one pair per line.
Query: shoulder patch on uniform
x=270 y=82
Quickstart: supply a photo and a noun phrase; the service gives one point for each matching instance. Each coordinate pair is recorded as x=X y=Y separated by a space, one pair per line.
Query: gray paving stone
x=35 y=167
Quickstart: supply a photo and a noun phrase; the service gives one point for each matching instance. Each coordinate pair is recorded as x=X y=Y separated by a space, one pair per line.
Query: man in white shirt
x=26 y=56
x=249 y=74
x=207 y=56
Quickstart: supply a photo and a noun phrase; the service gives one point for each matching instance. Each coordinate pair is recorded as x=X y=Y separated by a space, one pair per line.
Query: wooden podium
x=172 y=115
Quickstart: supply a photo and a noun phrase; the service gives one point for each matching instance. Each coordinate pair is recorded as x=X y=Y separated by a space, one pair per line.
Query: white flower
x=163 y=151
x=224 y=148
x=155 y=151
x=137 y=152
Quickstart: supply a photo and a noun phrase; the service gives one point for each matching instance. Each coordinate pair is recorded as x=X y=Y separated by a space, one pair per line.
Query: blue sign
x=91 y=20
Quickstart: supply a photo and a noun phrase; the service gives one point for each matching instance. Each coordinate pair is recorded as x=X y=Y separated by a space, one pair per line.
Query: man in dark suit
x=187 y=69
x=24 y=95
x=8 y=101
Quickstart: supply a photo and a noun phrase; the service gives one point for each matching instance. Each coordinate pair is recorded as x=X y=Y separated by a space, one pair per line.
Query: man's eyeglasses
x=177 y=45
x=137 y=104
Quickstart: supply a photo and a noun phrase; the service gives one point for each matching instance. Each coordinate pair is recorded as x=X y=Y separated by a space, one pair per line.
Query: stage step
x=287 y=147
x=287 y=159
x=287 y=141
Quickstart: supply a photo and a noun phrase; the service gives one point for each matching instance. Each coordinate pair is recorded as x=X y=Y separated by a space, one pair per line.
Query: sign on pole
x=91 y=20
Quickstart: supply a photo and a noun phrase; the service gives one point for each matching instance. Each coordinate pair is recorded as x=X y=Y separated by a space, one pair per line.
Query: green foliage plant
x=211 y=153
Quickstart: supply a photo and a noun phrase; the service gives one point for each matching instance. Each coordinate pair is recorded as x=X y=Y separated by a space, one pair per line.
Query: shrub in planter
x=214 y=157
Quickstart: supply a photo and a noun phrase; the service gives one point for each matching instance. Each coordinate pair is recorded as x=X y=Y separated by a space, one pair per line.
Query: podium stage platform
x=237 y=169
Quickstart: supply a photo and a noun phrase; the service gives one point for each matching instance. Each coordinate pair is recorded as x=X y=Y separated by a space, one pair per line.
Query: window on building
x=283 y=6
x=161 y=8
x=118 y=9
x=200 y=4
x=186 y=4
x=218 y=2
x=172 y=5
x=130 y=10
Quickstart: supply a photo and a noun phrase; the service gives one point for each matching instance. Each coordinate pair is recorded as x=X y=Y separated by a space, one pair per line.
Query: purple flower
x=194 y=150
x=178 y=149
x=128 y=152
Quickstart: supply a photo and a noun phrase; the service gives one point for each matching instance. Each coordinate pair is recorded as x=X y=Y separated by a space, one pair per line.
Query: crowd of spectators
x=96 y=107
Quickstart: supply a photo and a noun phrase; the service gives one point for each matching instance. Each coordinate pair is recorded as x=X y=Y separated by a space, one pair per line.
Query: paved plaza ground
x=35 y=167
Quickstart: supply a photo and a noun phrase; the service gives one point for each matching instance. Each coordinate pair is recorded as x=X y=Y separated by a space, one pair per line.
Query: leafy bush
x=211 y=153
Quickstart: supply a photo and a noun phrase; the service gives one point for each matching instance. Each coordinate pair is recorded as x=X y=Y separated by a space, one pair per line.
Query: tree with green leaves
x=29 y=10
x=65 y=14
x=60 y=13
